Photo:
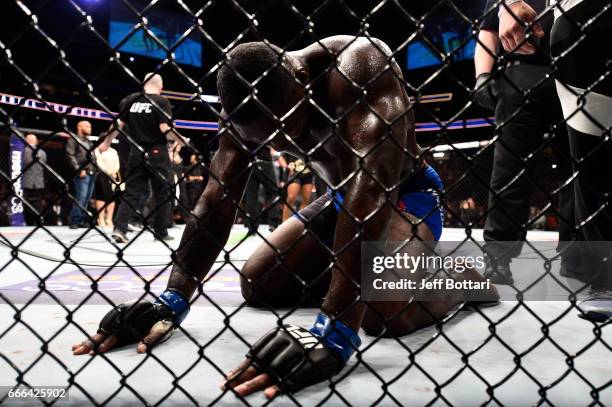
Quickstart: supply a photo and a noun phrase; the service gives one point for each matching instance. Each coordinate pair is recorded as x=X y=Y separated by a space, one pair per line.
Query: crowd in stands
x=281 y=186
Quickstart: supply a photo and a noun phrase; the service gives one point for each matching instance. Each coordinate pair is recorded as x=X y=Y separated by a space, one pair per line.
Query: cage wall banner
x=16 y=151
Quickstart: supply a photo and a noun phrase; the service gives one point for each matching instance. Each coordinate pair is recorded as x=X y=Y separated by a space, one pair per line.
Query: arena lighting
x=459 y=146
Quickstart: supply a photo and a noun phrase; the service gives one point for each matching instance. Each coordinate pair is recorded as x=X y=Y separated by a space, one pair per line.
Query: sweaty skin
x=369 y=151
x=353 y=124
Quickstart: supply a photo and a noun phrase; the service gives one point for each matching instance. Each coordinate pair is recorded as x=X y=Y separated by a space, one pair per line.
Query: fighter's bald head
x=153 y=83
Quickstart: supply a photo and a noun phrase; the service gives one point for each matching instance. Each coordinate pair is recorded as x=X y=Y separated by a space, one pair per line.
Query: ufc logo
x=140 y=107
x=305 y=338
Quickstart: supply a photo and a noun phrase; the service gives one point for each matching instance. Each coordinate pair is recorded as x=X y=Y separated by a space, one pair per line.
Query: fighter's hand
x=290 y=358
x=142 y=322
x=512 y=27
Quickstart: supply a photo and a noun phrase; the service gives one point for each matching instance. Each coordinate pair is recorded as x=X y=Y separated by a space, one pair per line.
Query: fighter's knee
x=378 y=323
x=248 y=284
x=257 y=287
x=387 y=330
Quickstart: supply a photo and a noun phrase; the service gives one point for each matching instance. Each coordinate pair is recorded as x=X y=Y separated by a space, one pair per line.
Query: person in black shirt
x=580 y=44
x=196 y=178
x=148 y=116
x=263 y=176
x=524 y=126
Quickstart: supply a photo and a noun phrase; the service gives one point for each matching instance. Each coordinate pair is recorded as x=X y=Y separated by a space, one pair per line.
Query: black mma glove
x=296 y=358
x=485 y=91
x=130 y=322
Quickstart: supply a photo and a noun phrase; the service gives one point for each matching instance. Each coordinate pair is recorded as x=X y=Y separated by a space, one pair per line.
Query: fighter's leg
x=291 y=267
x=398 y=318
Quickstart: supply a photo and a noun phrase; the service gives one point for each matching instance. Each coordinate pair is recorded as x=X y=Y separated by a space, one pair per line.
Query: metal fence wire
x=359 y=107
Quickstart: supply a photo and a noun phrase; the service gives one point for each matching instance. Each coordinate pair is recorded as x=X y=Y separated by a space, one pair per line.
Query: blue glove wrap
x=176 y=302
x=336 y=336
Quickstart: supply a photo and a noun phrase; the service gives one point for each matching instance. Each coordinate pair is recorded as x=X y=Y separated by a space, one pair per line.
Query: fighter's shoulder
x=364 y=58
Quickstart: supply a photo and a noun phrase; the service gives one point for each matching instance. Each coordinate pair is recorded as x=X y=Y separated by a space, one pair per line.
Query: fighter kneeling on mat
x=367 y=150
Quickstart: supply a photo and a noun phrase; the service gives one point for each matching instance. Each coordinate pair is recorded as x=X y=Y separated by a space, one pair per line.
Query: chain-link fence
x=129 y=122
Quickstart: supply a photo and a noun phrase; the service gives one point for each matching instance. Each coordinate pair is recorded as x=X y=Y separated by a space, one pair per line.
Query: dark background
x=223 y=21
x=85 y=73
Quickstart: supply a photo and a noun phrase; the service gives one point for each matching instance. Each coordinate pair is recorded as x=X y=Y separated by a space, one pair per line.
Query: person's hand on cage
x=514 y=18
x=143 y=322
x=290 y=358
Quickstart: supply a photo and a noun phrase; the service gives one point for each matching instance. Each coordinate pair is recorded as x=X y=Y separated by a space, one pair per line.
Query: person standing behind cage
x=580 y=48
x=107 y=181
x=519 y=89
x=148 y=115
x=196 y=177
x=300 y=181
x=180 y=201
x=78 y=151
x=33 y=180
x=263 y=176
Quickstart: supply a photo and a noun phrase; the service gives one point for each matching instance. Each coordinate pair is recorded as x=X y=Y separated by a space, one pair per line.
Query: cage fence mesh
x=48 y=94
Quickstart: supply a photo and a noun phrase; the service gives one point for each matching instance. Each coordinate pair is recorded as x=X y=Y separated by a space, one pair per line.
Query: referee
x=520 y=89
x=580 y=45
x=148 y=116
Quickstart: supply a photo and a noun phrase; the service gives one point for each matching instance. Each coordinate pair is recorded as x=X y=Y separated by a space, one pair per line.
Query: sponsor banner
x=96 y=114
x=16 y=159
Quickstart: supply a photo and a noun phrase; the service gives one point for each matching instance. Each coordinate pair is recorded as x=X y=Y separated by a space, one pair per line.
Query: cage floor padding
x=497 y=352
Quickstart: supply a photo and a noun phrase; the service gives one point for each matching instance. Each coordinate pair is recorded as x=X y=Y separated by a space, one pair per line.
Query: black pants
x=182 y=202
x=523 y=129
x=584 y=37
x=34 y=196
x=193 y=193
x=154 y=165
x=263 y=176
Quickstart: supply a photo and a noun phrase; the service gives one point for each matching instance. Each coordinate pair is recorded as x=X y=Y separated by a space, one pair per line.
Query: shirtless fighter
x=340 y=105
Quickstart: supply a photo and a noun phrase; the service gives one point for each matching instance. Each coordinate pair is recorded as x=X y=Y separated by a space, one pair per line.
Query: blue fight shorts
x=419 y=196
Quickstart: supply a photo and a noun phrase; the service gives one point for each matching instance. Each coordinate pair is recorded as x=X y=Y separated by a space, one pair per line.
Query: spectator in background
x=78 y=151
x=196 y=179
x=538 y=221
x=179 y=193
x=106 y=181
x=300 y=182
x=470 y=215
x=33 y=180
x=263 y=176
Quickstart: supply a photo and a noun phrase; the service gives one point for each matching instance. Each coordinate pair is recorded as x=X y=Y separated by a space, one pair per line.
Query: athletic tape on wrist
x=176 y=302
x=336 y=335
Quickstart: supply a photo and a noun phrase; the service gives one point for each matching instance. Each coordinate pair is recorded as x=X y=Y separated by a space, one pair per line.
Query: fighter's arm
x=210 y=224
x=381 y=134
x=380 y=153
x=203 y=238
